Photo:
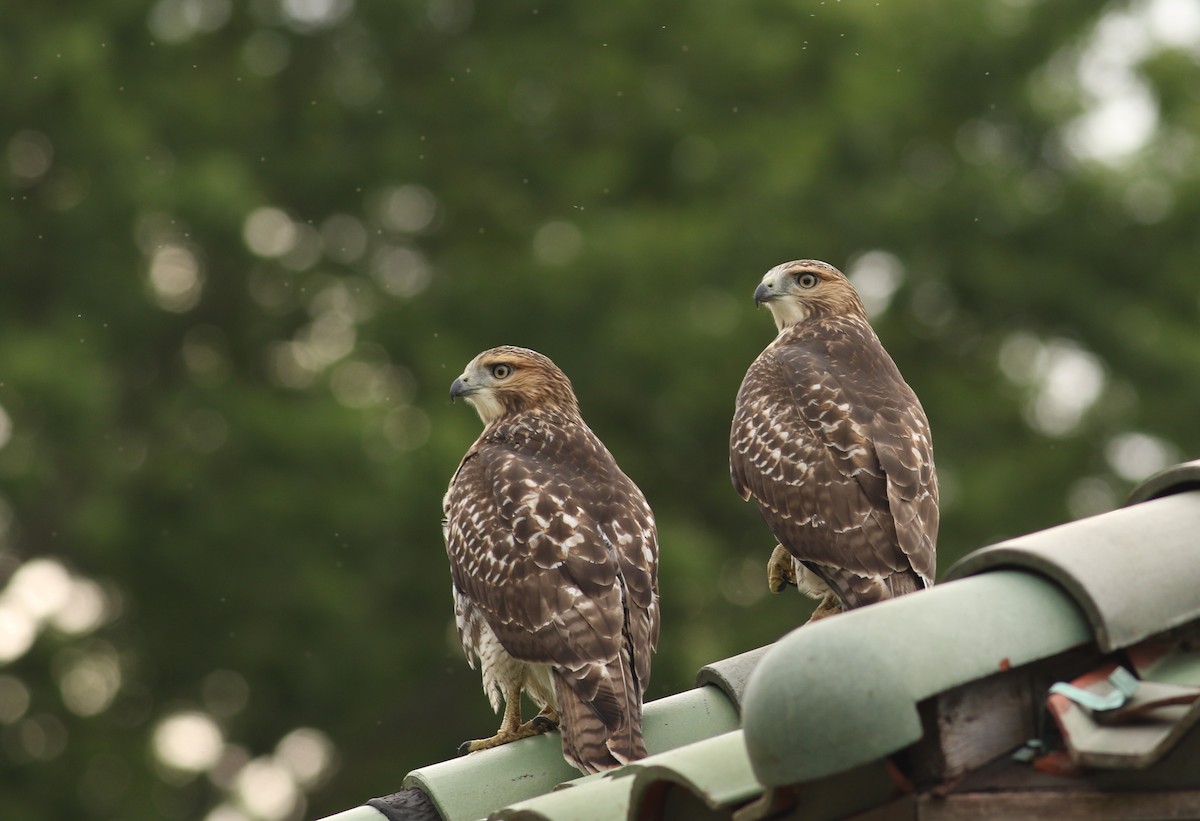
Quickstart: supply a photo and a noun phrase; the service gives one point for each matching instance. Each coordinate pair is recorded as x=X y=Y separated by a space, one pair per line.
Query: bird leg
x=511 y=728
x=780 y=571
x=830 y=605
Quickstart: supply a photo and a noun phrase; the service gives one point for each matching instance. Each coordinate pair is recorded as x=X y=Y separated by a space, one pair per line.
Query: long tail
x=600 y=715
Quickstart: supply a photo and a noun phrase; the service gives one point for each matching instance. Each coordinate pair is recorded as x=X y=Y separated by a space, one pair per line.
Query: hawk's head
x=507 y=380
x=795 y=291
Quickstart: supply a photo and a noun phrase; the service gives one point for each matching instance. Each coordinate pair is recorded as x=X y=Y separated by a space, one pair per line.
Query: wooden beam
x=1071 y=805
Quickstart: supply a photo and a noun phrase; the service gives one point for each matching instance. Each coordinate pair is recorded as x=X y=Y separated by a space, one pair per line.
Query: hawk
x=835 y=448
x=554 y=563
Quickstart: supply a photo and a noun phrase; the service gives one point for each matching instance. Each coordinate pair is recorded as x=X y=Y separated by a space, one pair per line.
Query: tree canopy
x=247 y=246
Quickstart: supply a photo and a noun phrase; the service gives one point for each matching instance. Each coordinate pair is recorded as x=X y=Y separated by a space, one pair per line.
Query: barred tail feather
x=600 y=715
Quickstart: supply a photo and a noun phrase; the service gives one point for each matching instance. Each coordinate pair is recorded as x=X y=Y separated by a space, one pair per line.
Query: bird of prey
x=554 y=563
x=835 y=448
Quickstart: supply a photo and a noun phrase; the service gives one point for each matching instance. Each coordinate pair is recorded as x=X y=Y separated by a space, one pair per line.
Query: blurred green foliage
x=245 y=248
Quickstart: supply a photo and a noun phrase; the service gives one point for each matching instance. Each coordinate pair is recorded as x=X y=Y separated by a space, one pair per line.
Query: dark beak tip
x=761 y=295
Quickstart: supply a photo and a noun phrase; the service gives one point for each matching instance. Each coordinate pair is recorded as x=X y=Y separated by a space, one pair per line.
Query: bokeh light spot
x=176 y=278
x=42 y=737
x=14 y=699
x=227 y=812
x=400 y=271
x=189 y=741
x=557 y=243
x=743 y=581
x=85 y=609
x=311 y=15
x=407 y=209
x=17 y=631
x=1090 y=496
x=29 y=155
x=5 y=427
x=225 y=693
x=40 y=586
x=173 y=21
x=406 y=428
x=267 y=789
x=89 y=680
x=307 y=754
x=1133 y=456
x=269 y=232
x=876 y=275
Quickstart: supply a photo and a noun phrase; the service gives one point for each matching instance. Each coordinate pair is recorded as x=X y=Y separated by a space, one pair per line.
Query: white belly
x=503 y=675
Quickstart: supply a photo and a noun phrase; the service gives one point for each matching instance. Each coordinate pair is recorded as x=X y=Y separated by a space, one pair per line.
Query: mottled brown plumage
x=835 y=448
x=554 y=562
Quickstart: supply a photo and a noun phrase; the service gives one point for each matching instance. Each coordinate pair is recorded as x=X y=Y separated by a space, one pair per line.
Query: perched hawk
x=835 y=448
x=554 y=560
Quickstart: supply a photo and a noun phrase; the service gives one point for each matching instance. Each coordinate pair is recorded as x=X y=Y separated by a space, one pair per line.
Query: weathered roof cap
x=597 y=797
x=1135 y=572
x=732 y=674
x=715 y=772
x=844 y=691
x=1175 y=479
x=533 y=766
x=711 y=774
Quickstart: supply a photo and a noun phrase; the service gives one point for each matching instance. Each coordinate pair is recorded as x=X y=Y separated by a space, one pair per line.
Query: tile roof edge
x=534 y=766
x=1178 y=478
x=857 y=677
x=1090 y=560
x=731 y=674
x=359 y=813
x=618 y=794
x=603 y=796
x=692 y=768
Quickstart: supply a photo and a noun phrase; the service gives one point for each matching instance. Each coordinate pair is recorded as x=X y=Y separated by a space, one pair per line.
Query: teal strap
x=1123 y=683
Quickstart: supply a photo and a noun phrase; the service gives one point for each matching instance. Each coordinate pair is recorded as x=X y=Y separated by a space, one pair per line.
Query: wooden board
x=1173 y=805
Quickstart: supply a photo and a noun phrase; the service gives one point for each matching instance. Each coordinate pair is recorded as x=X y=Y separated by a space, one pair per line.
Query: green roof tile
x=731 y=674
x=716 y=770
x=1095 y=559
x=1175 y=479
x=841 y=692
x=596 y=798
x=363 y=813
x=705 y=776
x=523 y=769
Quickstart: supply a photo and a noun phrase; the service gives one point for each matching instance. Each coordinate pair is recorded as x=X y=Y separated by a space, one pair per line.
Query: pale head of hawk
x=796 y=291
x=554 y=562
x=835 y=448
x=503 y=382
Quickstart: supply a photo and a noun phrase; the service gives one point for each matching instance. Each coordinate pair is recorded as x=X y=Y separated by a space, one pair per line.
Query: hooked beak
x=762 y=294
x=459 y=388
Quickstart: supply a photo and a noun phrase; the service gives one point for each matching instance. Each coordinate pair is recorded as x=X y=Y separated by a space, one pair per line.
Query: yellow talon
x=780 y=571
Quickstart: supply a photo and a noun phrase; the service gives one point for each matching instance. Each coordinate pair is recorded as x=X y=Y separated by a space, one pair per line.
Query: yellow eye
x=502 y=371
x=807 y=280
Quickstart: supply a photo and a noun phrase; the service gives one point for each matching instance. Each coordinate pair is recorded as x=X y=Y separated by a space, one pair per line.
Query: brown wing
x=835 y=448
x=558 y=549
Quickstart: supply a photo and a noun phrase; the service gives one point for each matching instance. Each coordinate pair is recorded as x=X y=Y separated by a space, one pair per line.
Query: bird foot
x=535 y=726
x=780 y=570
x=544 y=722
x=831 y=605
